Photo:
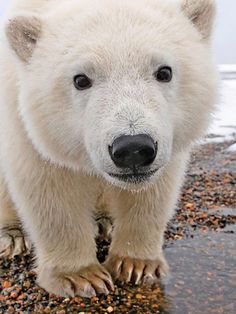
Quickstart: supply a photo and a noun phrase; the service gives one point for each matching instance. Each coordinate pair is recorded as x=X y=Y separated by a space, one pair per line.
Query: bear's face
x=117 y=90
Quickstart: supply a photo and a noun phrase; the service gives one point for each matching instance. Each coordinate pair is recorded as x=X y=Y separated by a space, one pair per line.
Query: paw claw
x=133 y=270
x=87 y=282
x=87 y=292
x=149 y=279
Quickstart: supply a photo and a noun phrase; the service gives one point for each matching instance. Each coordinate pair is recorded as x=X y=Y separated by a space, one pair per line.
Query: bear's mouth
x=133 y=177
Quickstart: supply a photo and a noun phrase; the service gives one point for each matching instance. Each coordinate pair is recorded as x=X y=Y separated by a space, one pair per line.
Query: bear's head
x=115 y=88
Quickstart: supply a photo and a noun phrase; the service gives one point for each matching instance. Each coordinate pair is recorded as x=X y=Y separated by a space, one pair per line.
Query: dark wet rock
x=203 y=274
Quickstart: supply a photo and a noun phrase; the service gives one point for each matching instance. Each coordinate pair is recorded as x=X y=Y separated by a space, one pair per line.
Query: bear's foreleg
x=55 y=206
x=13 y=241
x=140 y=220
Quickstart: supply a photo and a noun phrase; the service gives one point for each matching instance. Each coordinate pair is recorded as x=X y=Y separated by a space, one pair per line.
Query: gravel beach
x=207 y=208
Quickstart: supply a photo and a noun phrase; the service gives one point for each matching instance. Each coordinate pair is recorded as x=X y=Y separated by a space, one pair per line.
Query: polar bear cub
x=99 y=99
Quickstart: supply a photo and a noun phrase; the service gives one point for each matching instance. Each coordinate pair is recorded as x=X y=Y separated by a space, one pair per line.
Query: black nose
x=133 y=151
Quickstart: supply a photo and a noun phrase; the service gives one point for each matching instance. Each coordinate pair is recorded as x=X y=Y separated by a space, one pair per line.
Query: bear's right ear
x=23 y=33
x=202 y=14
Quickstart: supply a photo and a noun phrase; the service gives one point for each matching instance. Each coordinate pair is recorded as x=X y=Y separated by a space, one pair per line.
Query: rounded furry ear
x=23 y=33
x=202 y=14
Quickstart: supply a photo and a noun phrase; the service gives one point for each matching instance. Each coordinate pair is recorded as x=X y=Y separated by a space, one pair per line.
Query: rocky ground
x=205 y=216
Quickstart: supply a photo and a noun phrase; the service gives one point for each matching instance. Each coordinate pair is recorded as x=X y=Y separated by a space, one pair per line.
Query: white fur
x=54 y=139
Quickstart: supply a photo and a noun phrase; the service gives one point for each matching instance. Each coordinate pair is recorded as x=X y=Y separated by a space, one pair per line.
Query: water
x=203 y=277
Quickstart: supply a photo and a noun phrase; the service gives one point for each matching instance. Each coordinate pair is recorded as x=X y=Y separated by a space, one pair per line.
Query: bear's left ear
x=202 y=14
x=23 y=33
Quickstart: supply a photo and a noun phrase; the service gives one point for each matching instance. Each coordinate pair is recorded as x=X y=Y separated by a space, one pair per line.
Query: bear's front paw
x=88 y=282
x=13 y=242
x=137 y=271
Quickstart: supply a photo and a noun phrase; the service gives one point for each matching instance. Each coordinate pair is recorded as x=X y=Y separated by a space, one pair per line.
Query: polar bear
x=99 y=98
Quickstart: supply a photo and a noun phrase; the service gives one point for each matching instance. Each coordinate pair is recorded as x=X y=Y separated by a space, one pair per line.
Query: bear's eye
x=82 y=82
x=164 y=74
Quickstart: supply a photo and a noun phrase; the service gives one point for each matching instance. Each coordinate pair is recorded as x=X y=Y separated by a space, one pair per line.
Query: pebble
x=13 y=295
x=138 y=296
x=110 y=309
x=6 y=284
x=27 y=284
